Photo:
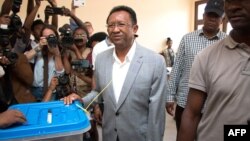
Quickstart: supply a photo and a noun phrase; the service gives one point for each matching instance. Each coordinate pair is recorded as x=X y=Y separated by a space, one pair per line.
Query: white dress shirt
x=120 y=70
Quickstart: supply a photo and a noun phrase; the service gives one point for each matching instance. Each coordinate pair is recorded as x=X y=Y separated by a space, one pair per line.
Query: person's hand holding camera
x=67 y=12
x=42 y=43
x=4 y=60
x=5 y=19
x=53 y=84
x=55 y=51
x=74 y=48
x=48 y=11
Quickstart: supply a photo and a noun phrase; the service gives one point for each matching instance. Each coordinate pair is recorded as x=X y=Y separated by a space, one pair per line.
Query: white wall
x=157 y=19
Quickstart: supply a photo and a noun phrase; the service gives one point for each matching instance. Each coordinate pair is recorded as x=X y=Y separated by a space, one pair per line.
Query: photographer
x=17 y=79
x=59 y=87
x=80 y=80
x=48 y=61
x=34 y=27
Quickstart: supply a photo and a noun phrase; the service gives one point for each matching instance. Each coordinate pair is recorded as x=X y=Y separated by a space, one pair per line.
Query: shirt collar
x=230 y=43
x=217 y=36
x=129 y=56
x=108 y=42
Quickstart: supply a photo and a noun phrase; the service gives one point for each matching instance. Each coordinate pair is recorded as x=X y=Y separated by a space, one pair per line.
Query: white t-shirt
x=100 y=47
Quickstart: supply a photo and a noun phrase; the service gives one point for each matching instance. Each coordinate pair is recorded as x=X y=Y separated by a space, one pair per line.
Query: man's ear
x=135 y=29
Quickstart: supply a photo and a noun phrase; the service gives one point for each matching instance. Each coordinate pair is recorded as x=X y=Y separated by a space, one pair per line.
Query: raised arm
x=73 y=17
x=30 y=18
x=30 y=7
x=6 y=7
x=54 y=17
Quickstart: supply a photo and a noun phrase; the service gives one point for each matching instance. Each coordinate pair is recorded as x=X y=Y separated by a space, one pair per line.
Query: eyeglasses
x=119 y=25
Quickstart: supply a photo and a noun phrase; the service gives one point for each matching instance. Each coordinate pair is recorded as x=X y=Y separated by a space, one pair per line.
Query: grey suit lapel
x=131 y=75
x=108 y=77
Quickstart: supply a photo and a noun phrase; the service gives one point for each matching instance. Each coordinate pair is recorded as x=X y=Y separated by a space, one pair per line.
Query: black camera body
x=5 y=48
x=63 y=87
x=67 y=39
x=54 y=10
x=52 y=40
x=81 y=65
x=15 y=20
x=16 y=6
x=7 y=32
x=63 y=79
x=78 y=40
x=11 y=56
x=4 y=37
x=15 y=23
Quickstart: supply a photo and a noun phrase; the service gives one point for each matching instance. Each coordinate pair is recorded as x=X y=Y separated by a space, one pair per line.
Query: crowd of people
x=208 y=82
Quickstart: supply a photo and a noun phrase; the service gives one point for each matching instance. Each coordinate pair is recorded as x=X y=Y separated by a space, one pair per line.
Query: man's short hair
x=124 y=8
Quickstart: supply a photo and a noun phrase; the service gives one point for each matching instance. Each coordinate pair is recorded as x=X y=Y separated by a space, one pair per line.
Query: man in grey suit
x=134 y=101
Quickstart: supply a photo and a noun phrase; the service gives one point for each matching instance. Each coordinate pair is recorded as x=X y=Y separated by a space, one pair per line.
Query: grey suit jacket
x=139 y=114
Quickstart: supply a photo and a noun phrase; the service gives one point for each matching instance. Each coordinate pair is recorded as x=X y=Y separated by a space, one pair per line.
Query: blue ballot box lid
x=47 y=120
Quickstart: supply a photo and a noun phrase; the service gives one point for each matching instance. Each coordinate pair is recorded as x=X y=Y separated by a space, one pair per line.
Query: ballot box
x=48 y=121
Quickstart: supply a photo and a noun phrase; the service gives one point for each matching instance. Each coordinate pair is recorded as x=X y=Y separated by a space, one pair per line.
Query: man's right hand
x=170 y=108
x=70 y=98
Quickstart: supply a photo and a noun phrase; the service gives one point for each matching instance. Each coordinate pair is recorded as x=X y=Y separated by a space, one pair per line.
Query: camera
x=4 y=37
x=81 y=65
x=67 y=39
x=63 y=87
x=15 y=23
x=5 y=47
x=78 y=40
x=16 y=6
x=54 y=10
x=52 y=40
x=63 y=79
x=15 y=20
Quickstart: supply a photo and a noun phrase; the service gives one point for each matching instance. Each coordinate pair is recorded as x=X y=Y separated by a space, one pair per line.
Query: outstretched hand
x=70 y=98
x=11 y=117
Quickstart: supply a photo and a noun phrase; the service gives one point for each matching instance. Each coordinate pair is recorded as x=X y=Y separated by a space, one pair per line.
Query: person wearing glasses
x=132 y=80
